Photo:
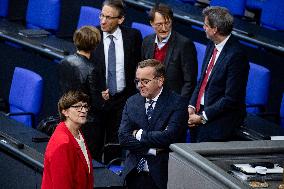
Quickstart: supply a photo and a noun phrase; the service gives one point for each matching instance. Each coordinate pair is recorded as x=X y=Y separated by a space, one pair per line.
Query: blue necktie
x=111 y=80
x=149 y=112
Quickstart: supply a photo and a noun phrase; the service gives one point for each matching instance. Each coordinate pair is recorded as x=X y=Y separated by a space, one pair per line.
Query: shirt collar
x=156 y=97
x=116 y=34
x=164 y=40
x=221 y=45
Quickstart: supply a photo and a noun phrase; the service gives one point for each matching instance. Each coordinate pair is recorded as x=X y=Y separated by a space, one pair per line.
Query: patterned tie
x=205 y=80
x=149 y=112
x=111 y=80
x=150 y=109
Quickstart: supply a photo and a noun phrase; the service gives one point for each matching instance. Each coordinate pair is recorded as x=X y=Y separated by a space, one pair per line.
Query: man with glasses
x=175 y=51
x=151 y=121
x=115 y=58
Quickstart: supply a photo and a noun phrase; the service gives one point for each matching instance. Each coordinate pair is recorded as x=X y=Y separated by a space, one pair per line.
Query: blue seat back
x=255 y=4
x=236 y=7
x=25 y=94
x=282 y=112
x=89 y=16
x=200 y=49
x=272 y=14
x=143 y=28
x=43 y=14
x=4 y=4
x=257 y=88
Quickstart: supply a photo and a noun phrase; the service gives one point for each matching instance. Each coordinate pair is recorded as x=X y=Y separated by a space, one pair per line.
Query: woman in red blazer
x=67 y=161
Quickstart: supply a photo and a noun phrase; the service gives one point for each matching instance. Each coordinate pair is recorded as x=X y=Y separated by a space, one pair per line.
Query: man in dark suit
x=115 y=58
x=217 y=106
x=151 y=121
x=175 y=51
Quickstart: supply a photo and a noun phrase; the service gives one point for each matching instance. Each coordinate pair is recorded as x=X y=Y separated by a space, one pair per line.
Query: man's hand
x=105 y=94
x=194 y=120
x=191 y=110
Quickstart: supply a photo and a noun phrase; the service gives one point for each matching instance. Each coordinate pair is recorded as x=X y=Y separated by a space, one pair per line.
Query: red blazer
x=64 y=163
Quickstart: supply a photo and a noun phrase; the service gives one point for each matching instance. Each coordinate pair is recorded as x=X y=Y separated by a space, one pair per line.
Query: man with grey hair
x=217 y=106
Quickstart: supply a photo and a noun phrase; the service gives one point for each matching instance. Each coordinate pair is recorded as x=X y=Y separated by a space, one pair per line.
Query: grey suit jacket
x=180 y=62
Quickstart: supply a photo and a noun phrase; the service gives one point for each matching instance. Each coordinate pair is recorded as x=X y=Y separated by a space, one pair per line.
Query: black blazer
x=224 y=97
x=75 y=72
x=132 y=40
x=167 y=126
x=180 y=61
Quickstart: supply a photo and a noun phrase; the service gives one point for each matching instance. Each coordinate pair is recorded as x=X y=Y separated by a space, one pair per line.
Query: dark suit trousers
x=140 y=180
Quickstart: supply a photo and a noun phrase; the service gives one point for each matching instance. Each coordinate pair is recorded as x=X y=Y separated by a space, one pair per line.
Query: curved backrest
x=89 y=16
x=4 y=4
x=200 y=49
x=236 y=7
x=255 y=4
x=25 y=94
x=43 y=14
x=143 y=28
x=282 y=112
x=257 y=88
x=272 y=14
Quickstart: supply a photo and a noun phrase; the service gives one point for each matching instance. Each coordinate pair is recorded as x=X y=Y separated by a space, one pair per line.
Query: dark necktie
x=149 y=112
x=111 y=80
x=205 y=79
x=150 y=109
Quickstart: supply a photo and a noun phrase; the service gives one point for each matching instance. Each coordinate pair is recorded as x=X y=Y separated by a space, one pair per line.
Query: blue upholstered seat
x=4 y=4
x=236 y=7
x=200 y=49
x=89 y=16
x=143 y=28
x=43 y=14
x=257 y=88
x=25 y=96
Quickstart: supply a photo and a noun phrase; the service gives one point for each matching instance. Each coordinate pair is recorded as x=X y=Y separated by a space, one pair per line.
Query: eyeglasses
x=143 y=81
x=80 y=107
x=165 y=24
x=102 y=16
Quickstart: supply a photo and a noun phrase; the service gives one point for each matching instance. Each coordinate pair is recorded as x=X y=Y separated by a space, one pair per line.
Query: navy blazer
x=167 y=125
x=224 y=97
x=132 y=40
x=180 y=62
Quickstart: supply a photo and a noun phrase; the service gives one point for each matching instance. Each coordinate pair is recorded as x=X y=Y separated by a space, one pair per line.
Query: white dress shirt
x=151 y=151
x=119 y=55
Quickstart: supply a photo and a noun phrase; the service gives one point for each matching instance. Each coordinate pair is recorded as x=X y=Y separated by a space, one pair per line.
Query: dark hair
x=87 y=38
x=117 y=4
x=157 y=65
x=219 y=17
x=70 y=98
x=163 y=9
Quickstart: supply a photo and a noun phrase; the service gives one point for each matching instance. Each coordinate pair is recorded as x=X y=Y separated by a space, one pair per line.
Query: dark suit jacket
x=167 y=126
x=180 y=62
x=224 y=97
x=132 y=40
x=64 y=163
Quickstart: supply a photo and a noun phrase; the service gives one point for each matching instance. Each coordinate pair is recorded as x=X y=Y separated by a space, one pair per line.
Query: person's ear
x=120 y=20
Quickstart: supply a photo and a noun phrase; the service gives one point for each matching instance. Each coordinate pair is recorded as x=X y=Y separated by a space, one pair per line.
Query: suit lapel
x=140 y=111
x=126 y=49
x=208 y=53
x=151 y=47
x=170 y=49
x=161 y=106
x=78 y=149
x=220 y=61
